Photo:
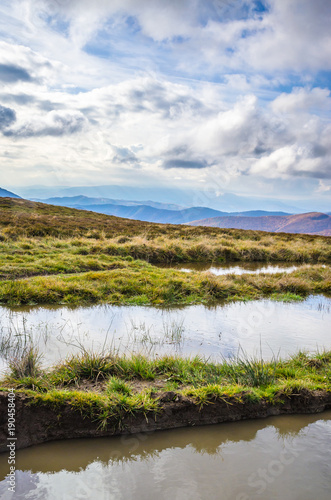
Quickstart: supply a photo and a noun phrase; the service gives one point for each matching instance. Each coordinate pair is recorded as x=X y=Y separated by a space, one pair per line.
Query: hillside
x=7 y=194
x=51 y=254
x=310 y=223
x=20 y=217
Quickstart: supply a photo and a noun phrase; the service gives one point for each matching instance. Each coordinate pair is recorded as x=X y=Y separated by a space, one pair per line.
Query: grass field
x=54 y=254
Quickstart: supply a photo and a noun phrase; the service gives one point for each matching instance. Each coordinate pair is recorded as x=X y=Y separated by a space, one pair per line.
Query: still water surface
x=236 y=267
x=275 y=328
x=279 y=458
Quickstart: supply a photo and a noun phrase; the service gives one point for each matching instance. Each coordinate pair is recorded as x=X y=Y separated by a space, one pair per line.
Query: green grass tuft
x=117 y=385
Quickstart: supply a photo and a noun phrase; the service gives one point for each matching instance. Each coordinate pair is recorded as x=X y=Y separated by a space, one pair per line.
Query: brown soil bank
x=38 y=424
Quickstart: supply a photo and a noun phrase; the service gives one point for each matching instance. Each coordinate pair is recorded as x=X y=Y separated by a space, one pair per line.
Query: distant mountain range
x=170 y=213
x=310 y=223
x=184 y=196
x=86 y=201
x=7 y=194
x=150 y=211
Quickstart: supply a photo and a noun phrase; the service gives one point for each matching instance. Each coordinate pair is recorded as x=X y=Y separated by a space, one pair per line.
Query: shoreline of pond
x=36 y=424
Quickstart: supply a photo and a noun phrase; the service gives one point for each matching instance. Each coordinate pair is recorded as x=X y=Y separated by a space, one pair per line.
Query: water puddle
x=237 y=268
x=279 y=458
x=273 y=328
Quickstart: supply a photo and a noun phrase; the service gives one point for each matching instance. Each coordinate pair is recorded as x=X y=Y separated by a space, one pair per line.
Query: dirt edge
x=42 y=423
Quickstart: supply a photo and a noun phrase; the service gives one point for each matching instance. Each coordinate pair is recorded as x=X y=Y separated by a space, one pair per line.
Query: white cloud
x=301 y=99
x=293 y=36
x=323 y=186
x=153 y=123
x=54 y=123
x=29 y=66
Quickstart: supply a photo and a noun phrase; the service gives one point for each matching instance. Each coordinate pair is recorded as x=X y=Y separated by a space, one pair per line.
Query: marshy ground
x=52 y=255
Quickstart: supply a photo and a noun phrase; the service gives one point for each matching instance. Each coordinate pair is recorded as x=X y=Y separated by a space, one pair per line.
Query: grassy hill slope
x=310 y=223
x=51 y=254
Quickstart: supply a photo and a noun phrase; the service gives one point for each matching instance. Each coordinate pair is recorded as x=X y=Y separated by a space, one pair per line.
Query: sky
x=217 y=96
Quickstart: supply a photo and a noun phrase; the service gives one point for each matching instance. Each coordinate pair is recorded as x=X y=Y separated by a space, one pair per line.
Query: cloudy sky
x=217 y=95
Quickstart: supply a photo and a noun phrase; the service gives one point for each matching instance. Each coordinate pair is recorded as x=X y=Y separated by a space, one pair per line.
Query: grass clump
x=251 y=372
x=23 y=358
x=26 y=365
x=38 y=384
x=116 y=385
x=87 y=365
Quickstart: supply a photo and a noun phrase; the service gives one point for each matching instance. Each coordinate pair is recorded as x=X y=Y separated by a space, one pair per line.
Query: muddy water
x=275 y=328
x=237 y=268
x=280 y=458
